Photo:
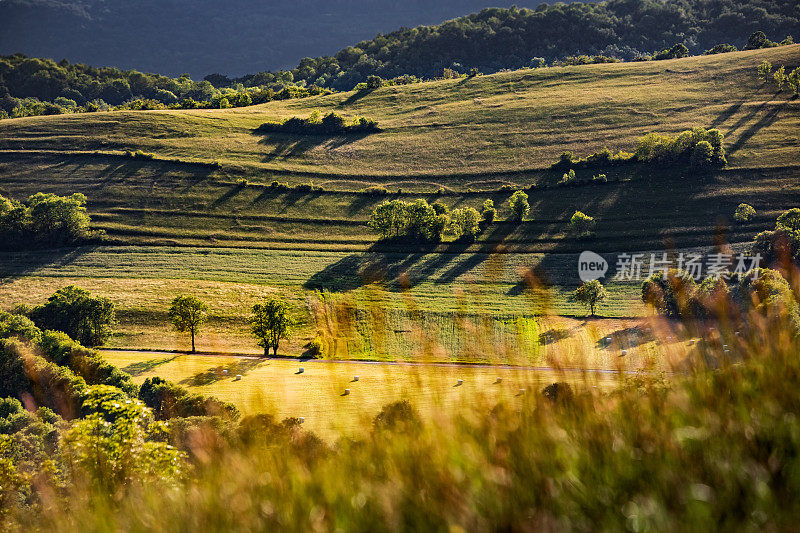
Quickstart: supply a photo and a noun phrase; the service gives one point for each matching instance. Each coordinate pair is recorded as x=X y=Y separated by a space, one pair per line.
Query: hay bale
x=355 y=378
x=346 y=392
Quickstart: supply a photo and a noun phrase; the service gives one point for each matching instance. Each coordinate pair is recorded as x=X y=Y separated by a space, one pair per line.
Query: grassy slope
x=458 y=134
x=505 y=122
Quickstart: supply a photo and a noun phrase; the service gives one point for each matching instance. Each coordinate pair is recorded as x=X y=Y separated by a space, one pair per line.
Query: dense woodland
x=497 y=39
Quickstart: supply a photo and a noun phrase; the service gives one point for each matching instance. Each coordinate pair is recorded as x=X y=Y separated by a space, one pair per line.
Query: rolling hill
x=202 y=212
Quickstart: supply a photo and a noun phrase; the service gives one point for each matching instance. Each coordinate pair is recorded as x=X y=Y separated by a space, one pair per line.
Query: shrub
x=581 y=224
x=416 y=221
x=330 y=124
x=315 y=348
x=520 y=208
x=376 y=190
x=677 y=51
x=765 y=71
x=600 y=178
x=721 y=49
x=568 y=178
x=744 y=213
x=488 y=212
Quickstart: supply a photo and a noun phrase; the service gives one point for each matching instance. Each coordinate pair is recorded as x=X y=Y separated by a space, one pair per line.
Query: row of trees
x=269 y=320
x=44 y=219
x=781 y=78
x=316 y=124
x=698 y=148
x=420 y=221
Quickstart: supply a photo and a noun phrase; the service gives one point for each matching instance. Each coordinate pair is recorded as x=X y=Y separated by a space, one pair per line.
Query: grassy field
x=318 y=394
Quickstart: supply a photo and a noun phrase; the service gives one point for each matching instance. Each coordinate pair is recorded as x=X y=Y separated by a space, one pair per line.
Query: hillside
x=186 y=220
x=468 y=134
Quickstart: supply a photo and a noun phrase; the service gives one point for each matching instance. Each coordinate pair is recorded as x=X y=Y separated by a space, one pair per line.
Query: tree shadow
x=767 y=120
x=19 y=263
x=228 y=195
x=353 y=98
x=141 y=367
x=627 y=338
x=213 y=375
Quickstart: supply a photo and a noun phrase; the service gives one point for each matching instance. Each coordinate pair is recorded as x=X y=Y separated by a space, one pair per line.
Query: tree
x=590 y=294
x=270 y=323
x=519 y=206
x=702 y=155
x=581 y=224
x=188 y=313
x=744 y=212
x=464 y=223
x=765 y=71
x=488 y=212
x=77 y=313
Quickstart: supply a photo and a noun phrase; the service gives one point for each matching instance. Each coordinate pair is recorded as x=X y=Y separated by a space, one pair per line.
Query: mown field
x=318 y=393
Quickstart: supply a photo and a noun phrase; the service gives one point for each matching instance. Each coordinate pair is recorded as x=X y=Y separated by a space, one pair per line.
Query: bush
x=465 y=223
x=744 y=213
x=488 y=212
x=520 y=208
x=77 y=313
x=330 y=124
x=581 y=225
x=43 y=220
x=376 y=190
x=315 y=348
x=721 y=49
x=568 y=178
x=168 y=400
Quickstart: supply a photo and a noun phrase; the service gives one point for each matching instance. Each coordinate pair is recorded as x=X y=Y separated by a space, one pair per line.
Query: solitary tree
x=519 y=206
x=188 y=314
x=590 y=294
x=270 y=323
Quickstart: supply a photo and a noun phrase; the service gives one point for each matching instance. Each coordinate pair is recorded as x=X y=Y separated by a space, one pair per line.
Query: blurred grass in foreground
x=713 y=447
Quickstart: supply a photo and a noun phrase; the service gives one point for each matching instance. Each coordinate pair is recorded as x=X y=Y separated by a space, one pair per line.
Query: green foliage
x=269 y=323
x=581 y=225
x=188 y=314
x=590 y=294
x=782 y=243
x=415 y=221
x=330 y=124
x=77 y=313
x=43 y=220
x=721 y=49
x=676 y=52
x=683 y=150
x=765 y=71
x=465 y=223
x=19 y=327
x=168 y=400
x=744 y=213
x=568 y=178
x=488 y=212
x=520 y=208
x=780 y=78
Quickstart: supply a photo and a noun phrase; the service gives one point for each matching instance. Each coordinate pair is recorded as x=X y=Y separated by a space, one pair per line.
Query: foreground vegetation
x=713 y=446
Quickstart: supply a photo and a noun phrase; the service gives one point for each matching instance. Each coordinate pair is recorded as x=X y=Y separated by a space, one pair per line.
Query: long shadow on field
x=14 y=264
x=141 y=367
x=212 y=375
x=765 y=121
x=286 y=146
x=627 y=338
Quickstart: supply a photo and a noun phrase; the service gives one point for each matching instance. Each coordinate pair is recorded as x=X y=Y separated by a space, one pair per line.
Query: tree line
x=44 y=219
